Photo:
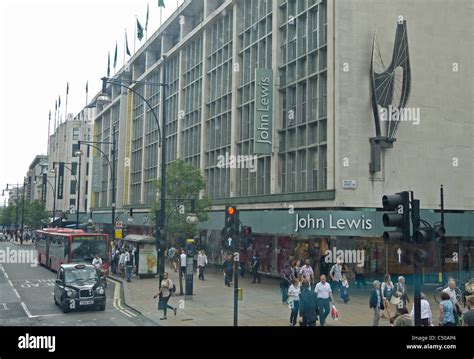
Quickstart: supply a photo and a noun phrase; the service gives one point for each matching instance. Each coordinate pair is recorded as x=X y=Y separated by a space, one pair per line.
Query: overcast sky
x=44 y=45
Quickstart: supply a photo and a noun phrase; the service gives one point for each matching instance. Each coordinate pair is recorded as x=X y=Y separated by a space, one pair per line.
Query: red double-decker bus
x=56 y=246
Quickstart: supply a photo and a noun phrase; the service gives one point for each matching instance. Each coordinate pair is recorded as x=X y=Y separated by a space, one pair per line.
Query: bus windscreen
x=84 y=248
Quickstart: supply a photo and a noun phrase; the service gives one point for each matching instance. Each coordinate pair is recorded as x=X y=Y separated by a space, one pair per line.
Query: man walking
x=324 y=294
x=202 y=263
x=468 y=318
x=376 y=302
x=308 y=306
x=228 y=269
x=129 y=265
x=336 y=276
x=183 y=263
x=256 y=267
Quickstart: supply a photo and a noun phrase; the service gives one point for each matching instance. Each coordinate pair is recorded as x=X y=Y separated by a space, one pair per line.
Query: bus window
x=85 y=250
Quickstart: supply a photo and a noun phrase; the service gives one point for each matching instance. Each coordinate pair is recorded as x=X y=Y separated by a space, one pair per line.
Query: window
x=72 y=202
x=74 y=168
x=75 y=148
x=73 y=187
x=75 y=133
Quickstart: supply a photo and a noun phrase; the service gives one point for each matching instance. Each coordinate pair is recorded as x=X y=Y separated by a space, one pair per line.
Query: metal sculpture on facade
x=390 y=87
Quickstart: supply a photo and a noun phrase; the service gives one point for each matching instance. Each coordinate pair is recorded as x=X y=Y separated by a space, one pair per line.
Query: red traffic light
x=231 y=211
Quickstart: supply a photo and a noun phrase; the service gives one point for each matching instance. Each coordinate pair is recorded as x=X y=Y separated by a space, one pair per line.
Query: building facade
x=286 y=85
x=35 y=191
x=64 y=147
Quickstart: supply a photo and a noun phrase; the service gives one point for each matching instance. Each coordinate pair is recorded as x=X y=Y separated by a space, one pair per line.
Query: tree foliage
x=35 y=214
x=183 y=181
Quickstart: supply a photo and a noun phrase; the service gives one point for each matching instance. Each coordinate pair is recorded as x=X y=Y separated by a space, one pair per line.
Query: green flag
x=161 y=3
x=139 y=31
x=115 y=56
x=127 y=50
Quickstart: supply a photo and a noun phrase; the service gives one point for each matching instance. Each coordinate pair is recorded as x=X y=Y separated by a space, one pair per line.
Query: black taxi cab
x=79 y=286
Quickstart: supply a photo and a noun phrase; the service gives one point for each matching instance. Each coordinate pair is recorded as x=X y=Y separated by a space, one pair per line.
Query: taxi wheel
x=55 y=301
x=65 y=306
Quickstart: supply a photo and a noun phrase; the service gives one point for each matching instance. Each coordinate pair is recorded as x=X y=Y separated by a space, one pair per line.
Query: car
x=79 y=286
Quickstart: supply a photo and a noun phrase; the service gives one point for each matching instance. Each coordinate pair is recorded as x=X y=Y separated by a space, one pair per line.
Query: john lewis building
x=290 y=82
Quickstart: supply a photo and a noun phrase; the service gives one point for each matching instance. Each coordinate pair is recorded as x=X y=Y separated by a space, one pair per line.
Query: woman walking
x=167 y=289
x=387 y=292
x=294 y=300
x=376 y=302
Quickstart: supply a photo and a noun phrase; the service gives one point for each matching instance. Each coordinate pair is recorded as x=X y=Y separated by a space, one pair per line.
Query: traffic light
x=399 y=217
x=439 y=233
x=246 y=236
x=231 y=226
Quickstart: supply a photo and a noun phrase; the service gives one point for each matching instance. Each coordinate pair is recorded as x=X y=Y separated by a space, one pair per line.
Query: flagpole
x=115 y=58
x=67 y=95
x=125 y=47
x=49 y=130
x=161 y=15
x=55 y=115
x=146 y=24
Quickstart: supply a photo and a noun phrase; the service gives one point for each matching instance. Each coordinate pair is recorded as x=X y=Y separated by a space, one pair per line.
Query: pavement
x=212 y=303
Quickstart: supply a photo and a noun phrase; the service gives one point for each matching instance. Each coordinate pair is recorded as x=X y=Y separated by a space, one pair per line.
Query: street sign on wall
x=96 y=174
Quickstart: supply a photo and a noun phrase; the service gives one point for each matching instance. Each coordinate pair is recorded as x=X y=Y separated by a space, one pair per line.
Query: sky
x=43 y=46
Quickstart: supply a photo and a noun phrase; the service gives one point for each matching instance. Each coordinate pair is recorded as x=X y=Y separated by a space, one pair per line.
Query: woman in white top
x=164 y=295
x=294 y=300
x=202 y=263
x=387 y=292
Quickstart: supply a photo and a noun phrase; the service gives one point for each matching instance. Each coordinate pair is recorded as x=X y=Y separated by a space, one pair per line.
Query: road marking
x=16 y=293
x=117 y=304
x=27 y=311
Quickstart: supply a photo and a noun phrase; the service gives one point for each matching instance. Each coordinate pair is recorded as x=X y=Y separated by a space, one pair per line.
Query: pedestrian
x=166 y=290
x=228 y=269
x=468 y=318
x=170 y=255
x=336 y=276
x=182 y=261
x=446 y=311
x=324 y=293
x=345 y=289
x=176 y=260
x=202 y=263
x=285 y=282
x=97 y=263
x=296 y=268
x=242 y=261
x=256 y=267
x=403 y=319
x=387 y=292
x=308 y=306
x=426 y=315
x=401 y=292
x=122 y=264
x=376 y=302
x=306 y=273
x=294 y=300
x=451 y=291
x=115 y=260
x=129 y=257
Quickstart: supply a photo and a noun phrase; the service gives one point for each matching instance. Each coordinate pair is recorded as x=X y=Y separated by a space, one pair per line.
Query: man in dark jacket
x=228 y=269
x=308 y=306
x=376 y=302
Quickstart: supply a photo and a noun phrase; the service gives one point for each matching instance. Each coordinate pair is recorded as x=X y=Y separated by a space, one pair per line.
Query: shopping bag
x=334 y=313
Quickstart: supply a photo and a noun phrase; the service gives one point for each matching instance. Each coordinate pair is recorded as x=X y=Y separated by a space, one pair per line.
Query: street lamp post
x=78 y=153
x=112 y=166
x=22 y=212
x=161 y=218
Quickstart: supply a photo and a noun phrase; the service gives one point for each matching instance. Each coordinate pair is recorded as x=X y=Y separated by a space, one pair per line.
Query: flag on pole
x=87 y=86
x=59 y=101
x=115 y=56
x=55 y=105
x=139 y=30
x=67 y=89
x=127 y=50
x=147 y=15
x=161 y=3
x=108 y=65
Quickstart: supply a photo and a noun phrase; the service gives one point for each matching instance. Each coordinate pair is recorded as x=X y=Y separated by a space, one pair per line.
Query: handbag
x=394 y=300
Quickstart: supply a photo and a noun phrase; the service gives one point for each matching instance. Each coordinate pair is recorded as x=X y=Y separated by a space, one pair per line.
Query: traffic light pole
x=236 y=279
x=417 y=272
